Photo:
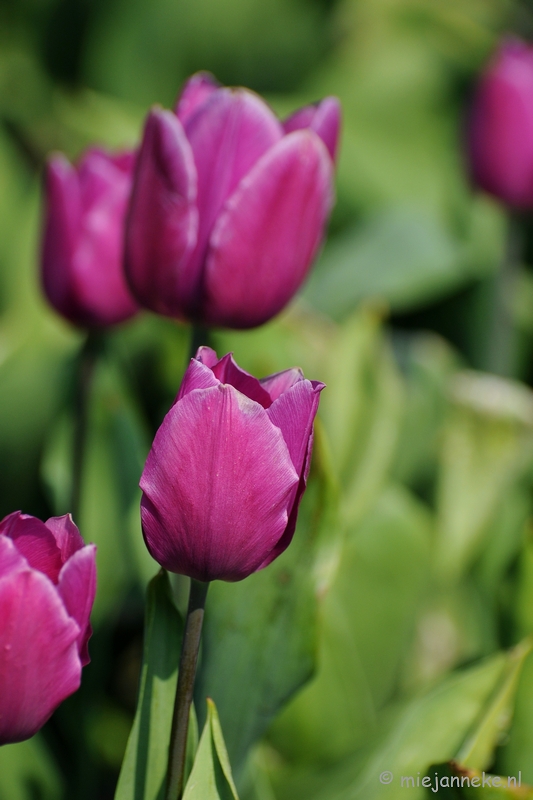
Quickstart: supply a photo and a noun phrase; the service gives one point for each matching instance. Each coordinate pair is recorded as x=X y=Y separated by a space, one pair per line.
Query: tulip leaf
x=401 y=257
x=143 y=772
x=27 y=771
x=487 y=445
x=428 y=729
x=211 y=777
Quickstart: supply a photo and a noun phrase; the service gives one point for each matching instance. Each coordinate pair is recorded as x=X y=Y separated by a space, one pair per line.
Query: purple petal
x=197 y=376
x=11 y=560
x=207 y=356
x=77 y=587
x=35 y=542
x=195 y=92
x=267 y=236
x=293 y=413
x=228 y=134
x=281 y=381
x=61 y=230
x=228 y=371
x=162 y=222
x=501 y=126
x=217 y=458
x=66 y=535
x=39 y=664
x=324 y=118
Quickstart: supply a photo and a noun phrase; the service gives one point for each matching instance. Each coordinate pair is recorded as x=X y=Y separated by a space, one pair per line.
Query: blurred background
x=420 y=557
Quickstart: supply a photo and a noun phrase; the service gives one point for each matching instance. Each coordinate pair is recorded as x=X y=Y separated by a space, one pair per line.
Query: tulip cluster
x=47 y=587
x=227 y=469
x=218 y=222
x=500 y=140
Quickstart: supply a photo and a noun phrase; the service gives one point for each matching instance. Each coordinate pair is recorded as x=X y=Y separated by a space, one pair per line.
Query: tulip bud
x=229 y=205
x=500 y=135
x=47 y=588
x=227 y=469
x=82 y=254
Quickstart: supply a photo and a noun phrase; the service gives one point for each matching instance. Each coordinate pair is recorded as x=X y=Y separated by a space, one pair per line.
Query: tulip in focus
x=500 y=136
x=227 y=469
x=229 y=205
x=47 y=588
x=82 y=254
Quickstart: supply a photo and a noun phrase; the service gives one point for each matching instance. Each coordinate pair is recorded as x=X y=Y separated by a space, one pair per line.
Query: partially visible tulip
x=227 y=469
x=47 y=588
x=500 y=135
x=229 y=204
x=82 y=253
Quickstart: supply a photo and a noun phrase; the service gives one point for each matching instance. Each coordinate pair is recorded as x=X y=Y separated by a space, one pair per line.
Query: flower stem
x=501 y=335
x=184 y=691
x=84 y=381
x=199 y=336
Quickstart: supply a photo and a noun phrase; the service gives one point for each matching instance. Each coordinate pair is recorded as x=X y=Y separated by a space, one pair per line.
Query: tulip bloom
x=47 y=587
x=82 y=252
x=501 y=126
x=227 y=469
x=229 y=205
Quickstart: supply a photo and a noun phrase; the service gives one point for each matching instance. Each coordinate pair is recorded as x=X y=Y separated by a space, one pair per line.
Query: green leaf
x=401 y=257
x=144 y=768
x=426 y=730
x=486 y=446
x=211 y=777
x=478 y=749
x=367 y=619
x=27 y=771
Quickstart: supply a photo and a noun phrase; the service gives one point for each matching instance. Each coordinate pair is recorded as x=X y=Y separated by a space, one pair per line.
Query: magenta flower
x=82 y=253
x=229 y=205
x=227 y=469
x=501 y=126
x=47 y=587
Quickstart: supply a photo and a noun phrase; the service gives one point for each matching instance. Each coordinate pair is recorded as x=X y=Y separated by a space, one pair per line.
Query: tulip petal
x=228 y=371
x=228 y=134
x=162 y=221
x=268 y=233
x=10 y=559
x=39 y=663
x=35 y=542
x=77 y=587
x=324 y=118
x=281 y=382
x=217 y=458
x=195 y=92
x=207 y=356
x=293 y=413
x=61 y=229
x=66 y=535
x=197 y=376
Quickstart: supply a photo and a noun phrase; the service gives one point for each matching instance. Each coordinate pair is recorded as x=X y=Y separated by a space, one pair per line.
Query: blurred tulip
x=82 y=269
x=227 y=469
x=229 y=205
x=500 y=138
x=47 y=588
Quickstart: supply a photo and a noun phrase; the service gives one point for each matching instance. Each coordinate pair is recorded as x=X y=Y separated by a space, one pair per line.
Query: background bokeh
x=413 y=555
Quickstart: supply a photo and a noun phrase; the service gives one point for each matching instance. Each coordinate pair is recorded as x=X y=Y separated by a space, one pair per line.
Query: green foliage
x=27 y=771
x=143 y=772
x=211 y=778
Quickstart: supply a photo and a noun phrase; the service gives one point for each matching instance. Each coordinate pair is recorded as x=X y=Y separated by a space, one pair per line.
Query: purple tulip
x=47 y=587
x=83 y=238
x=501 y=126
x=227 y=469
x=229 y=205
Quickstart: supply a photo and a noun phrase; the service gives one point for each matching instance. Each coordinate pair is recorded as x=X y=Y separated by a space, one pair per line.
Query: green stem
x=84 y=381
x=501 y=341
x=199 y=336
x=185 y=688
